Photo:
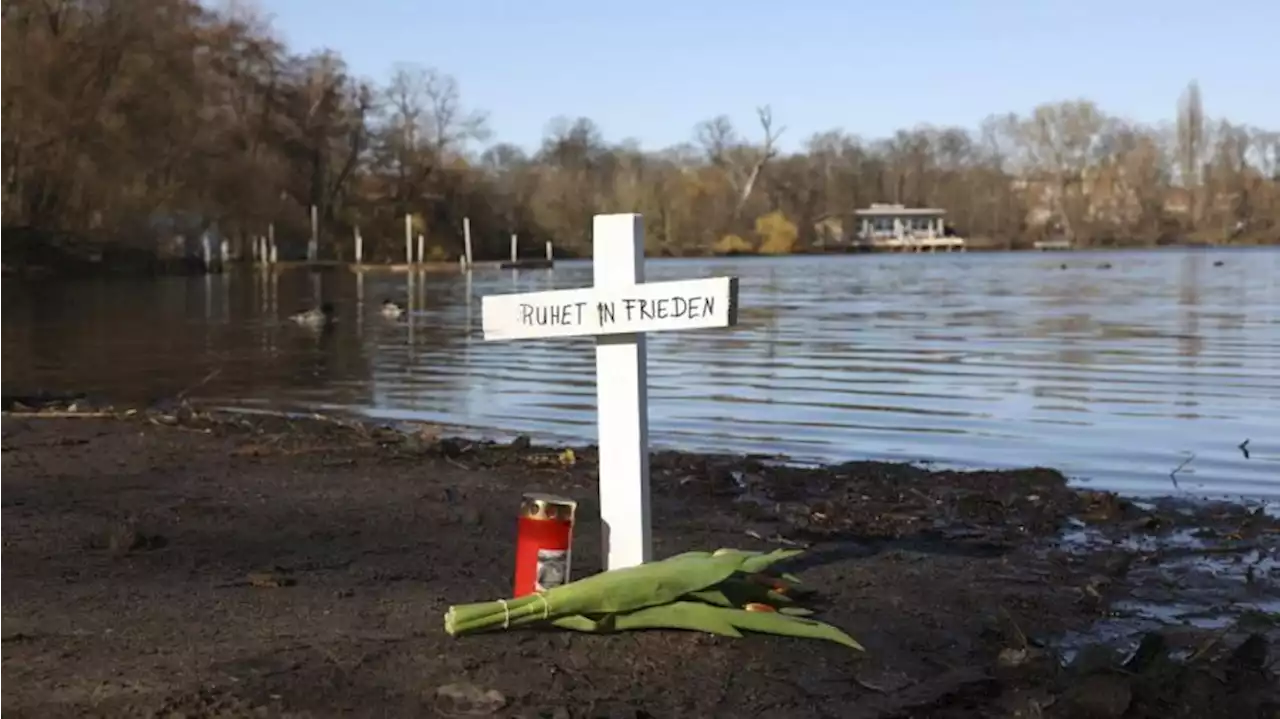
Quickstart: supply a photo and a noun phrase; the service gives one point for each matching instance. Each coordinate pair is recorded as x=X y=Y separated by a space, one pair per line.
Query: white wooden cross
x=617 y=311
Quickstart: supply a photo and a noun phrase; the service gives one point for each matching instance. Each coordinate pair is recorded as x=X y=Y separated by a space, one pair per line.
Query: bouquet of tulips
x=721 y=592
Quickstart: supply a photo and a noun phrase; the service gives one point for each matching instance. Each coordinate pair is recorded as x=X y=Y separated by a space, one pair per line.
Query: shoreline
x=137 y=264
x=500 y=435
x=136 y=543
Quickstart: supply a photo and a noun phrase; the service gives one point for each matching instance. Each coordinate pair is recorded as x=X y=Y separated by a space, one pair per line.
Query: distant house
x=1223 y=203
x=887 y=227
x=1177 y=201
x=1040 y=196
x=1099 y=194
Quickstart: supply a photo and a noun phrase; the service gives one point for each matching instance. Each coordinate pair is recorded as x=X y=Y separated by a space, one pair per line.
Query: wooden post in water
x=515 y=255
x=408 y=239
x=549 y=253
x=313 y=247
x=466 y=239
x=273 y=254
x=359 y=247
x=422 y=248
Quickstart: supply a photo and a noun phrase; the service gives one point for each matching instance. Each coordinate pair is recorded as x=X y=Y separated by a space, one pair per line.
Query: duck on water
x=321 y=316
x=391 y=309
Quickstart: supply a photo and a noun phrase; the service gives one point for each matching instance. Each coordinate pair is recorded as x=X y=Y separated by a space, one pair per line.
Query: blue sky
x=651 y=70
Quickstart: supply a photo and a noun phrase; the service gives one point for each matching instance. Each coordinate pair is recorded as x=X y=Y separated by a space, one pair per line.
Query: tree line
x=131 y=120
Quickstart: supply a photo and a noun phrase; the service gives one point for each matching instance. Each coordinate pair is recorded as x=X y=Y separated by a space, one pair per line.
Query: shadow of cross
x=618 y=310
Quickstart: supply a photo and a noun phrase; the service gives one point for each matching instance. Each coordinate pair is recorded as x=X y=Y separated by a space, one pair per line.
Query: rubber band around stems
x=506 y=609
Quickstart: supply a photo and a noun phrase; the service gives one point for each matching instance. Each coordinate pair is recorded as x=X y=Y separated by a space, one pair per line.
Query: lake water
x=1114 y=375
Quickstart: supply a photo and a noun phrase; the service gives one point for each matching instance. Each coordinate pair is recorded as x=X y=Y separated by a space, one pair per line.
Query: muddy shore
x=181 y=563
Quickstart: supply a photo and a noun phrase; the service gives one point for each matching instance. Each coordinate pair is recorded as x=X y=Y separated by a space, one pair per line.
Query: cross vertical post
x=622 y=401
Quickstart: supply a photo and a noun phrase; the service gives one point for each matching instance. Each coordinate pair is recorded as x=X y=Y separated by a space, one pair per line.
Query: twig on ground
x=869 y=686
x=1020 y=635
x=775 y=539
x=1209 y=644
x=927 y=499
x=1200 y=551
x=60 y=414
x=291 y=452
x=197 y=385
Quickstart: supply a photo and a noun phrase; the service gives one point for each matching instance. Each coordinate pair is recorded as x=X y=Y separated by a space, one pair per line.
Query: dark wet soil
x=175 y=563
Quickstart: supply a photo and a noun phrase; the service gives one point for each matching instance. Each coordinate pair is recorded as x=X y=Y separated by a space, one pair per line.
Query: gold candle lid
x=547 y=506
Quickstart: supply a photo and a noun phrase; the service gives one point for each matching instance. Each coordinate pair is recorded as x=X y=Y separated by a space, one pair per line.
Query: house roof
x=879 y=210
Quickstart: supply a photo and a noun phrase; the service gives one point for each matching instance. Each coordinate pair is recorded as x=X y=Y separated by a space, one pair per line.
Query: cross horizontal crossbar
x=594 y=311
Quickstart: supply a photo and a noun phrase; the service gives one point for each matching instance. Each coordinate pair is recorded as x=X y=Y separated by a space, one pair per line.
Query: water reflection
x=975 y=360
x=360 y=305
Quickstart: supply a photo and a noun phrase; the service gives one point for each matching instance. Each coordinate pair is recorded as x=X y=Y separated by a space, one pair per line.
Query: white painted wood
x=515 y=255
x=622 y=400
x=618 y=310
x=549 y=254
x=422 y=248
x=466 y=239
x=408 y=239
x=359 y=248
x=612 y=310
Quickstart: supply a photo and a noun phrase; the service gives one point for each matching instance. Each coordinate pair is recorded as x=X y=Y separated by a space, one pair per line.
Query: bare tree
x=742 y=161
x=1061 y=141
x=450 y=125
